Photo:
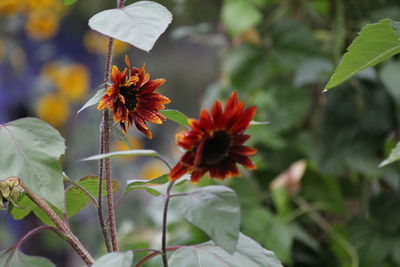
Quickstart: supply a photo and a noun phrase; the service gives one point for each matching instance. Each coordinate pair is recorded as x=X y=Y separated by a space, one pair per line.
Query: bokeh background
x=318 y=197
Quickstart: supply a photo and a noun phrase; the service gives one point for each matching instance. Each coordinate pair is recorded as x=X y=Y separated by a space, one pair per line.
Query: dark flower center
x=216 y=148
x=129 y=93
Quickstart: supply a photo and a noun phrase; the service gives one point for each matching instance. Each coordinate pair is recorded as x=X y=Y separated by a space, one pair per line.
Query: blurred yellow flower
x=73 y=82
x=2 y=50
x=50 y=71
x=11 y=7
x=153 y=169
x=41 y=25
x=53 y=108
x=98 y=44
x=135 y=142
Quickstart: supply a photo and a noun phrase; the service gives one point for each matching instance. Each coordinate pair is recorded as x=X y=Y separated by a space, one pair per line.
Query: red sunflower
x=215 y=142
x=131 y=98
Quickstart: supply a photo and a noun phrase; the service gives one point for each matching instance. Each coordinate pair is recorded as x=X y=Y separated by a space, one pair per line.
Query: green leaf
x=216 y=211
x=93 y=100
x=276 y=234
x=389 y=74
x=115 y=259
x=238 y=16
x=176 y=116
x=137 y=152
x=139 y=24
x=69 y=2
x=15 y=258
x=77 y=199
x=375 y=43
x=30 y=149
x=120 y=135
x=248 y=253
x=28 y=206
x=393 y=156
x=152 y=186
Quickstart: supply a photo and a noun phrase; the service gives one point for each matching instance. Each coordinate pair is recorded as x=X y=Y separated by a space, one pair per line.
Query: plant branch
x=35 y=231
x=155 y=253
x=61 y=226
x=326 y=227
x=164 y=224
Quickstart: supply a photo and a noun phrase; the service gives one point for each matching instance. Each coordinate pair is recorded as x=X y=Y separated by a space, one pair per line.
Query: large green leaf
x=115 y=259
x=176 y=116
x=375 y=43
x=139 y=24
x=30 y=149
x=93 y=100
x=134 y=152
x=15 y=258
x=276 y=234
x=238 y=16
x=216 y=211
x=77 y=199
x=248 y=253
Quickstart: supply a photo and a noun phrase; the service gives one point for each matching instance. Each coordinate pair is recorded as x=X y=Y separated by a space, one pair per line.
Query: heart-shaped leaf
x=139 y=24
x=248 y=253
x=15 y=258
x=215 y=210
x=30 y=150
x=115 y=259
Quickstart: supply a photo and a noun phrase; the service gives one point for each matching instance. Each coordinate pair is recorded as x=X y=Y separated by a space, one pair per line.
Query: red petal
x=177 y=171
x=231 y=103
x=217 y=115
x=154 y=97
x=141 y=125
x=244 y=150
x=150 y=86
x=239 y=139
x=243 y=160
x=151 y=116
x=243 y=120
x=205 y=120
x=196 y=175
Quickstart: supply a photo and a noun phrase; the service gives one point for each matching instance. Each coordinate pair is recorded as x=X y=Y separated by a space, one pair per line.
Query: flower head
x=131 y=98
x=215 y=142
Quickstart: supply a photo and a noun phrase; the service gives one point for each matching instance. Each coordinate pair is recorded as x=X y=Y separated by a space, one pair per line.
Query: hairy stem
x=164 y=224
x=61 y=226
x=105 y=166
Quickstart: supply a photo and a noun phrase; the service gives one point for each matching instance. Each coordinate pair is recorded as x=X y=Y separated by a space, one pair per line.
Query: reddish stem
x=155 y=253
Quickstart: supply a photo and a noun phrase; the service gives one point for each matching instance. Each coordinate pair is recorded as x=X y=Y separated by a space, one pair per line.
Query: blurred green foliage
x=279 y=55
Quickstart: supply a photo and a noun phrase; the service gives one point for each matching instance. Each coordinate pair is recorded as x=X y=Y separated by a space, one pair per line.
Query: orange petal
x=115 y=75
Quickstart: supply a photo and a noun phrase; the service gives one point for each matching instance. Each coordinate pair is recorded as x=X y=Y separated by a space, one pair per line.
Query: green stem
x=164 y=224
x=326 y=227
